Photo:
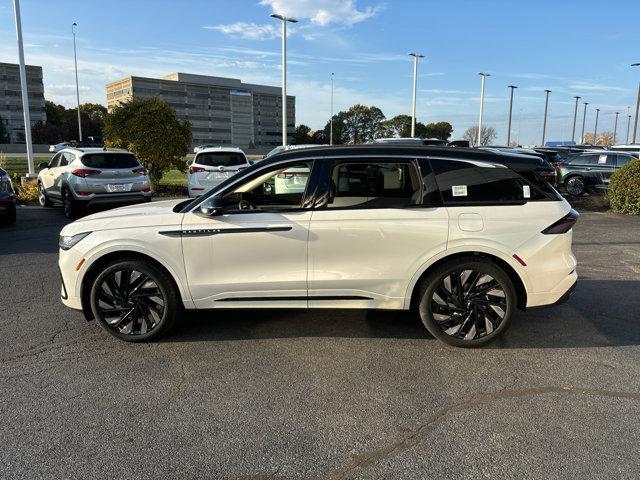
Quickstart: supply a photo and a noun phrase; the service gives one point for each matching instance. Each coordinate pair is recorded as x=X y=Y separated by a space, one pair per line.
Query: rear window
x=110 y=160
x=220 y=159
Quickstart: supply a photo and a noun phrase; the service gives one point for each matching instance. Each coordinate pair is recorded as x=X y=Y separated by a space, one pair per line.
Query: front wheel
x=134 y=300
x=574 y=185
x=467 y=302
x=43 y=200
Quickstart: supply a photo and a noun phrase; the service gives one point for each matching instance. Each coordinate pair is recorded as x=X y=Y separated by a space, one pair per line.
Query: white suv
x=462 y=236
x=212 y=166
x=77 y=177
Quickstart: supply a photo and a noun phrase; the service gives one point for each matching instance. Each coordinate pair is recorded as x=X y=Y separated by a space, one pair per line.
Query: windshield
x=110 y=160
x=220 y=159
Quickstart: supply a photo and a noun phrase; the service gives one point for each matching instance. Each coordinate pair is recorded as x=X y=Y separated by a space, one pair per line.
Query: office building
x=11 y=113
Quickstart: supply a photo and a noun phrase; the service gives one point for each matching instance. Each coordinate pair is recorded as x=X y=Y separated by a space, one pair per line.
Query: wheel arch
x=516 y=279
x=120 y=255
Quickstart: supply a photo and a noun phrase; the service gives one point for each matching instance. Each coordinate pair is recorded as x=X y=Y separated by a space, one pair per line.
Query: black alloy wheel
x=467 y=303
x=574 y=185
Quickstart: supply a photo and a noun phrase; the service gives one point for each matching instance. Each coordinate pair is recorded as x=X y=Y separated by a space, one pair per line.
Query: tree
x=339 y=132
x=441 y=130
x=150 y=129
x=398 y=126
x=362 y=124
x=94 y=111
x=487 y=137
x=62 y=123
x=4 y=135
x=302 y=135
x=604 y=138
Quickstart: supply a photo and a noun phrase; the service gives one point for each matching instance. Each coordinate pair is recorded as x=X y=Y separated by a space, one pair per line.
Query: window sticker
x=459 y=190
x=526 y=191
x=602 y=159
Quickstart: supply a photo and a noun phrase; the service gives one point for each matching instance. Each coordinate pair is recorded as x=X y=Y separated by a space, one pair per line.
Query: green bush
x=624 y=189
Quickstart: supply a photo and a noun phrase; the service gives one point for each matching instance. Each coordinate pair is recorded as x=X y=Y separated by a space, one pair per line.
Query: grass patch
x=174 y=177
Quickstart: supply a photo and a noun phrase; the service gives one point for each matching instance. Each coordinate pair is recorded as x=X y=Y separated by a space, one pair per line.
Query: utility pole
x=575 y=117
x=484 y=76
x=628 y=123
x=75 y=61
x=615 y=128
x=584 y=119
x=635 y=124
x=595 y=130
x=512 y=87
x=284 y=21
x=415 y=56
x=544 y=123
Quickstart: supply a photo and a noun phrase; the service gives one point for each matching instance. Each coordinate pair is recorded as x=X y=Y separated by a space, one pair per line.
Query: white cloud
x=249 y=31
x=596 y=87
x=323 y=12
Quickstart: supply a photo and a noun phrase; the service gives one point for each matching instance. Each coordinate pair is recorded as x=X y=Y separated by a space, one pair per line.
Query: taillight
x=193 y=169
x=140 y=171
x=85 y=172
x=563 y=225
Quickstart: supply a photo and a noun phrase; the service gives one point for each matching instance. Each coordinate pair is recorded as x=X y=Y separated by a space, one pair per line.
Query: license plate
x=221 y=174
x=119 y=187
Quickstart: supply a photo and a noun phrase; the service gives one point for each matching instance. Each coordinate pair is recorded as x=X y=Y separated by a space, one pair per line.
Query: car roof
x=221 y=149
x=380 y=149
x=83 y=151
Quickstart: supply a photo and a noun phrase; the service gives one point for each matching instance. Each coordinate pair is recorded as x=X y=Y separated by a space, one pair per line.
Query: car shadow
x=600 y=313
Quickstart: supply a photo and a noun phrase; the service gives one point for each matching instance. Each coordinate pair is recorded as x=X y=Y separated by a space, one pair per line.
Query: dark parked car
x=590 y=170
x=7 y=200
x=545 y=168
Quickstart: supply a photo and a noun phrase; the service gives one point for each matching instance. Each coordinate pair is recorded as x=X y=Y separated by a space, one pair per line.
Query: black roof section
x=515 y=160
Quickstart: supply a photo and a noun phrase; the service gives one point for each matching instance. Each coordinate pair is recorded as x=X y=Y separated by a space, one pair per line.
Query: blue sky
x=570 y=47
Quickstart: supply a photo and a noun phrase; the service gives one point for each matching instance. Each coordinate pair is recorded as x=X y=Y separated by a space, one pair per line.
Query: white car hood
x=139 y=215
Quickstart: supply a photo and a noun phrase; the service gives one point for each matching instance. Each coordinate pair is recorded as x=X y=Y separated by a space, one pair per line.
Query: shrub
x=28 y=192
x=624 y=189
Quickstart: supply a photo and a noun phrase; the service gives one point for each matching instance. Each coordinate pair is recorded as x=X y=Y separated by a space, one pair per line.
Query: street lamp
x=23 y=88
x=284 y=72
x=595 y=129
x=628 y=123
x=635 y=124
x=415 y=56
x=575 y=117
x=75 y=61
x=584 y=119
x=615 y=128
x=512 y=87
x=484 y=77
x=331 y=119
x=544 y=123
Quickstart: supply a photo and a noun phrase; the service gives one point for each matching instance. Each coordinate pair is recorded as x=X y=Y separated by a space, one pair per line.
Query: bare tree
x=488 y=136
x=604 y=138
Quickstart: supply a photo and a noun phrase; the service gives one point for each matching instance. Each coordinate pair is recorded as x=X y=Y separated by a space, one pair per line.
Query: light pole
x=635 y=123
x=512 y=87
x=415 y=56
x=484 y=76
x=584 y=119
x=544 y=123
x=23 y=88
x=284 y=21
x=75 y=61
x=628 y=123
x=575 y=117
x=331 y=120
x=595 y=129
x=615 y=128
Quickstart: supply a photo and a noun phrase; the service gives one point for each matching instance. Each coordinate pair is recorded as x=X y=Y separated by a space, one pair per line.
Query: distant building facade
x=222 y=111
x=11 y=113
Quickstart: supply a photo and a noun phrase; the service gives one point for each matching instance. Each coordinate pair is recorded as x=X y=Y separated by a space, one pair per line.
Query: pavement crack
x=413 y=437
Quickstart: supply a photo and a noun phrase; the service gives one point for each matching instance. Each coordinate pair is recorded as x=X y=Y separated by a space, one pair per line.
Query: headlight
x=65 y=243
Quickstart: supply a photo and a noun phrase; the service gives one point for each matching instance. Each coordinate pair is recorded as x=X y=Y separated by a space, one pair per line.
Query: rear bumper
x=113 y=198
x=558 y=295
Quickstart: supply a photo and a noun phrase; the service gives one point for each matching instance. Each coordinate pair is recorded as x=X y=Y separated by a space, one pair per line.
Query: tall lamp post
x=615 y=128
x=484 y=77
x=23 y=88
x=415 y=56
x=635 y=123
x=284 y=21
x=331 y=119
x=595 y=129
x=544 y=123
x=575 y=117
x=512 y=87
x=75 y=61
x=628 y=123
x=584 y=119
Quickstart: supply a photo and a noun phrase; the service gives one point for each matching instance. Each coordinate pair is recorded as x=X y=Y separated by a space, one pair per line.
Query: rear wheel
x=574 y=185
x=134 y=300
x=72 y=207
x=467 y=302
x=43 y=200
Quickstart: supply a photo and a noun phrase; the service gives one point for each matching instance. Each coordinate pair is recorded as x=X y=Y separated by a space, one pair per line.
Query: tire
x=472 y=318
x=9 y=218
x=143 y=308
x=574 y=185
x=43 y=200
x=72 y=208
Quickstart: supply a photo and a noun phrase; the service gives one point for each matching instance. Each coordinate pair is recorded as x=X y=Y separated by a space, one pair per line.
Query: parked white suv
x=212 y=166
x=462 y=236
x=77 y=177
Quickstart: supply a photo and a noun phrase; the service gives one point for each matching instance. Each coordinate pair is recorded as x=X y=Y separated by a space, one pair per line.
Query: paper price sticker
x=459 y=190
x=526 y=191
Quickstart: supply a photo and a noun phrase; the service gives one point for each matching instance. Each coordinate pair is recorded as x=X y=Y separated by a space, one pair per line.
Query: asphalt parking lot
x=321 y=394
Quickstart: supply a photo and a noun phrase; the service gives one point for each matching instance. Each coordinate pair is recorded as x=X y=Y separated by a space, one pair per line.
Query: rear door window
x=110 y=160
x=221 y=159
x=623 y=160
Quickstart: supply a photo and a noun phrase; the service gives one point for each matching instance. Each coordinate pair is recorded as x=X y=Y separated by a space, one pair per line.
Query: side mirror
x=43 y=165
x=212 y=206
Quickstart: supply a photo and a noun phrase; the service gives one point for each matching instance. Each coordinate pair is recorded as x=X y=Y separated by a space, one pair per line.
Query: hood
x=139 y=215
